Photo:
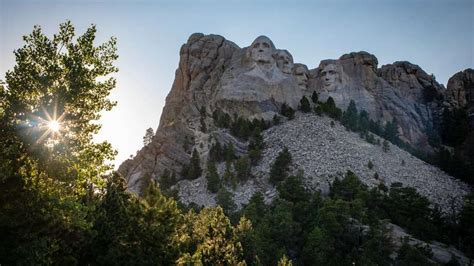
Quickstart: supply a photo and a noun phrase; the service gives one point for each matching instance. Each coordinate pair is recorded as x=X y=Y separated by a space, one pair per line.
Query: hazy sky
x=436 y=35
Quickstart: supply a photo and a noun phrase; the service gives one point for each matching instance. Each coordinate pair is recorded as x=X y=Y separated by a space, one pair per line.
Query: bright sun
x=54 y=126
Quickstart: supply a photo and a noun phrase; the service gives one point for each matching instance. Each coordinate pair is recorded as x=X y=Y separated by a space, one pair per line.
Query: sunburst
x=51 y=126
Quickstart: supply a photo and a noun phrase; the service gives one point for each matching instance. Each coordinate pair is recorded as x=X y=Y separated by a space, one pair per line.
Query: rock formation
x=255 y=81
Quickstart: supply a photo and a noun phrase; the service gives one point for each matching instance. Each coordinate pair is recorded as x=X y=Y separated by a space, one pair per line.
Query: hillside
x=324 y=152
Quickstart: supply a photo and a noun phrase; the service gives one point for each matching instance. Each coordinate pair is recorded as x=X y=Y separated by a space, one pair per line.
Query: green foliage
x=132 y=231
x=47 y=180
x=148 y=138
x=221 y=119
x=167 y=179
x=370 y=165
x=287 y=111
x=413 y=255
x=304 y=105
x=455 y=126
x=314 y=97
x=391 y=132
x=255 y=147
x=348 y=188
x=216 y=153
x=276 y=120
x=466 y=220
x=350 y=118
x=242 y=168
x=280 y=167
x=410 y=210
x=208 y=238
x=229 y=152
x=213 y=179
x=385 y=146
x=193 y=170
x=225 y=199
x=329 y=108
x=284 y=261
x=292 y=189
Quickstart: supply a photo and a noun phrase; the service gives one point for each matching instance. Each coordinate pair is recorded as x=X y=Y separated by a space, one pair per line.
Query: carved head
x=331 y=76
x=261 y=50
x=301 y=75
x=284 y=61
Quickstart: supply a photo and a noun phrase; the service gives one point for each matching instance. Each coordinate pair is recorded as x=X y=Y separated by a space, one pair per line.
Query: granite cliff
x=214 y=74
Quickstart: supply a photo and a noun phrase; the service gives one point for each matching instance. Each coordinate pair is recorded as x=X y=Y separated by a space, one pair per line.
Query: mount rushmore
x=255 y=81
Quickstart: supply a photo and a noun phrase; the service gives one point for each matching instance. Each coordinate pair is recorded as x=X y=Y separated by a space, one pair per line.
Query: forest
x=62 y=203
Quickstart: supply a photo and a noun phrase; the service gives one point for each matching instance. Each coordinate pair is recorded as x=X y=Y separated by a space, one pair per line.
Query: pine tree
x=385 y=146
x=229 y=152
x=304 y=105
x=225 y=199
x=314 y=97
x=194 y=169
x=280 y=167
x=242 y=168
x=213 y=179
x=287 y=111
x=148 y=138
x=167 y=179
x=350 y=118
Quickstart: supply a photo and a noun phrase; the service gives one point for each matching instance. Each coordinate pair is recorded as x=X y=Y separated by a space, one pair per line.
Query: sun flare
x=54 y=126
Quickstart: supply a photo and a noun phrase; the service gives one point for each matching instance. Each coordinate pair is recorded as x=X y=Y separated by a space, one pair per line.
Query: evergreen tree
x=148 y=138
x=314 y=97
x=213 y=179
x=385 y=146
x=364 y=121
x=48 y=173
x=280 y=167
x=243 y=168
x=391 y=132
x=229 y=152
x=216 y=153
x=276 y=120
x=466 y=230
x=193 y=170
x=287 y=111
x=210 y=239
x=350 y=118
x=225 y=199
x=167 y=179
x=304 y=105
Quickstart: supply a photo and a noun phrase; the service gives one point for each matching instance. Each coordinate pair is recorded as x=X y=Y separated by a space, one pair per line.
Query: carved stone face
x=331 y=76
x=301 y=75
x=262 y=50
x=284 y=61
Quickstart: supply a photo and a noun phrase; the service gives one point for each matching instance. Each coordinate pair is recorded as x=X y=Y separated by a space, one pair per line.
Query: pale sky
x=436 y=35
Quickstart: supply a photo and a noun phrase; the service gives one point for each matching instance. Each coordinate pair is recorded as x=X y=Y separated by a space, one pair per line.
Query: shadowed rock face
x=214 y=73
x=400 y=91
x=460 y=93
x=255 y=81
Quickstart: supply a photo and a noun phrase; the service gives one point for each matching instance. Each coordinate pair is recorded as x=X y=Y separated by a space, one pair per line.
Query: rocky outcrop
x=460 y=93
x=400 y=91
x=253 y=82
x=213 y=73
x=460 y=89
x=203 y=59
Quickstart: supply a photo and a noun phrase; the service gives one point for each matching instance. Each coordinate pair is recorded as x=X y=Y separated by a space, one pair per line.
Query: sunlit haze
x=436 y=35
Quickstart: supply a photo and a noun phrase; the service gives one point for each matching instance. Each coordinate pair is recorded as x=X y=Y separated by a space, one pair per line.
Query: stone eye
x=266 y=45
